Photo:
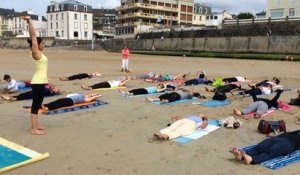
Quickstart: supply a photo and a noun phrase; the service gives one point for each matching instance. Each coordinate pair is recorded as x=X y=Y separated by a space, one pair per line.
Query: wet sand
x=117 y=138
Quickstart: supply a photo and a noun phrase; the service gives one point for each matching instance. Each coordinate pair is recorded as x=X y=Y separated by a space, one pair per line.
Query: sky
x=233 y=6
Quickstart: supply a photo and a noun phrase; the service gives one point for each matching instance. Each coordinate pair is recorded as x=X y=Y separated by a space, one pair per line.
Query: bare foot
x=237 y=112
x=206 y=89
x=237 y=154
x=298 y=120
x=247 y=158
x=258 y=115
x=5 y=97
x=37 y=132
x=149 y=99
x=63 y=79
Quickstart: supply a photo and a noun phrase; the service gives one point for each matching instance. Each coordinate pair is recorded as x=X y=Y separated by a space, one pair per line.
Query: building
x=282 y=8
x=260 y=15
x=104 y=22
x=136 y=16
x=6 y=21
x=71 y=20
x=20 y=27
x=200 y=12
x=215 y=19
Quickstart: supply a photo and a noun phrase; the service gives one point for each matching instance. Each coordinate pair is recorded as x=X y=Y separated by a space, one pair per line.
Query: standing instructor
x=39 y=78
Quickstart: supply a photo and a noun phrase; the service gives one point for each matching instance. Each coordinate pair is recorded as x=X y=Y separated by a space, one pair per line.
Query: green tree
x=245 y=15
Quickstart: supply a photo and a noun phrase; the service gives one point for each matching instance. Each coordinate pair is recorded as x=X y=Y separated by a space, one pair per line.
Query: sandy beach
x=117 y=138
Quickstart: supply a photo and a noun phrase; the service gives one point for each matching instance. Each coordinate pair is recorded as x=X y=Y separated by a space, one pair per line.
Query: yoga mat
x=70 y=108
x=113 y=88
x=175 y=102
x=24 y=89
x=212 y=126
x=251 y=114
x=214 y=103
x=278 y=162
x=13 y=156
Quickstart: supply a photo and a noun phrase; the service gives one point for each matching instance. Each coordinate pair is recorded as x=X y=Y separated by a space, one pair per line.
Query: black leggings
x=230 y=80
x=191 y=82
x=173 y=96
x=29 y=94
x=138 y=91
x=38 y=93
x=62 y=102
x=101 y=85
x=78 y=76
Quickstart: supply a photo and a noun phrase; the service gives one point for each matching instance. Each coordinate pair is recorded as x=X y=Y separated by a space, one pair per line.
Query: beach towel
x=212 y=126
x=176 y=102
x=13 y=155
x=213 y=103
x=75 y=107
x=278 y=162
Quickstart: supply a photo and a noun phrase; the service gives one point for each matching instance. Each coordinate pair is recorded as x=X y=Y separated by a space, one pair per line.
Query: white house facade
x=70 y=20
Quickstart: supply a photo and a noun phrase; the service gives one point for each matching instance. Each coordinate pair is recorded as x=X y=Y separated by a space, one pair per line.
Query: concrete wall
x=258 y=44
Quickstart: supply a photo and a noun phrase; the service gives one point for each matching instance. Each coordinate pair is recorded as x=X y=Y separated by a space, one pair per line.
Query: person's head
x=39 y=41
x=276 y=80
x=204 y=121
x=7 y=78
x=125 y=47
x=160 y=85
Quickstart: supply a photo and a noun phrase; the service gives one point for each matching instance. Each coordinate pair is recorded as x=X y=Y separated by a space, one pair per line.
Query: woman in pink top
x=125 y=54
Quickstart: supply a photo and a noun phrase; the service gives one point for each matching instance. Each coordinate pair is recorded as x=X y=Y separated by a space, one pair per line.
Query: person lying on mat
x=269 y=148
x=237 y=79
x=149 y=75
x=227 y=88
x=81 y=76
x=11 y=85
x=159 y=78
x=108 y=84
x=178 y=94
x=70 y=100
x=160 y=87
x=261 y=90
x=295 y=101
x=260 y=105
x=182 y=127
x=49 y=91
x=201 y=79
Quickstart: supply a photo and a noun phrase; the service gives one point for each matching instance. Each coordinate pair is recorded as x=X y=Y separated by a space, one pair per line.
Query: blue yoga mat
x=10 y=157
x=278 y=162
x=24 y=89
x=176 y=102
x=215 y=103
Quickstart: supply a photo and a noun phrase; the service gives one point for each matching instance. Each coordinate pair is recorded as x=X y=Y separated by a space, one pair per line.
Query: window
x=215 y=17
x=85 y=34
x=200 y=18
x=277 y=13
x=183 y=8
x=62 y=7
x=75 y=25
x=85 y=17
x=51 y=17
x=62 y=33
x=56 y=16
x=85 y=8
x=75 y=8
x=57 y=34
x=51 y=9
x=206 y=10
x=75 y=34
x=56 y=25
x=85 y=25
x=207 y=17
x=75 y=16
x=200 y=9
x=211 y=17
x=276 y=3
x=51 y=26
x=292 y=12
x=62 y=16
x=195 y=17
x=20 y=26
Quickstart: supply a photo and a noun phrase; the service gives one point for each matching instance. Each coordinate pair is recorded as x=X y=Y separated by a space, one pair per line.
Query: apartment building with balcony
x=136 y=16
x=6 y=21
x=71 y=20
x=200 y=12
x=282 y=8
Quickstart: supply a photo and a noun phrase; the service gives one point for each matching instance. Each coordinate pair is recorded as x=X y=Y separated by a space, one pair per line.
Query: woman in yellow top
x=39 y=78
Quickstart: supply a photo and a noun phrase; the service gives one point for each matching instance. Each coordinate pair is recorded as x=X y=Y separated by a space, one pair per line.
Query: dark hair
x=6 y=77
x=202 y=76
x=277 y=81
x=196 y=94
x=39 y=41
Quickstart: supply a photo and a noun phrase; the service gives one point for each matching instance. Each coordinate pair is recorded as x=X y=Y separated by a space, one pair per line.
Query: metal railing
x=260 y=20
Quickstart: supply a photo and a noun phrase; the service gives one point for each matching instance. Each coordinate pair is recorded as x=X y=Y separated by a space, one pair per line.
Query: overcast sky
x=233 y=6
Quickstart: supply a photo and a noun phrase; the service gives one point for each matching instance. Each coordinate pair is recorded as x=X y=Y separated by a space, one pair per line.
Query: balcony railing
x=135 y=24
x=146 y=6
x=146 y=15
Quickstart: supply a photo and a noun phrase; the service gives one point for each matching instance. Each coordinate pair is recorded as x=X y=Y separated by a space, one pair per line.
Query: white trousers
x=125 y=64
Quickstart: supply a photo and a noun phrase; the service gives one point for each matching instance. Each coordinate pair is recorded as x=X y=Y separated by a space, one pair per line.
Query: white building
x=70 y=20
x=215 y=19
x=20 y=27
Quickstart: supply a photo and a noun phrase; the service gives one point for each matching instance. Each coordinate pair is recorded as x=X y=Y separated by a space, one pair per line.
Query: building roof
x=263 y=13
x=33 y=17
x=7 y=12
x=73 y=2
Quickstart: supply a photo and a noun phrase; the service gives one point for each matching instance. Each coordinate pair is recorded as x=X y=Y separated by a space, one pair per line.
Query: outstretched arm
x=36 y=53
x=279 y=91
